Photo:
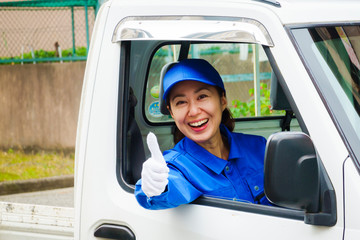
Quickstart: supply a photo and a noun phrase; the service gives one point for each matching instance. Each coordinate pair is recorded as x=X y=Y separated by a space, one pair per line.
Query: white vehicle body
x=105 y=205
x=101 y=200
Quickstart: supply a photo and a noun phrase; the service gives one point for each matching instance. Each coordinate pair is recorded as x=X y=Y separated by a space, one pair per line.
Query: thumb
x=154 y=148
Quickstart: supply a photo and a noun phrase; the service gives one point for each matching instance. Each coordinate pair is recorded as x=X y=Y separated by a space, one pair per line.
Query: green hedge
x=48 y=55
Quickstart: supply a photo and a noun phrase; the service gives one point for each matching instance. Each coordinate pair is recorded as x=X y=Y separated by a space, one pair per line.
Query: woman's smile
x=198 y=126
x=198 y=123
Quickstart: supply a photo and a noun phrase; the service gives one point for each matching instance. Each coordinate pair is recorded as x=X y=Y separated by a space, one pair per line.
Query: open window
x=255 y=96
x=237 y=48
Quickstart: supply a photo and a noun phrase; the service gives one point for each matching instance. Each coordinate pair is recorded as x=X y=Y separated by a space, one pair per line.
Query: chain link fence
x=44 y=30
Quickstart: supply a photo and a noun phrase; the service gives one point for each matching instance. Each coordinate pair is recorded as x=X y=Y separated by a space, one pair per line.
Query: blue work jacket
x=195 y=172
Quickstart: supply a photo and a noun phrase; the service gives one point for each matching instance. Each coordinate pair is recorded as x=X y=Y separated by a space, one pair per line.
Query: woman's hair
x=226 y=119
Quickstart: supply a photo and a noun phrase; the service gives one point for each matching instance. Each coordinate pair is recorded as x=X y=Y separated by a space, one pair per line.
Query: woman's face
x=197 y=109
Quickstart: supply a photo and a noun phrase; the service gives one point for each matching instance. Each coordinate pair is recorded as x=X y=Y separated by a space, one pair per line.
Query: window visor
x=199 y=28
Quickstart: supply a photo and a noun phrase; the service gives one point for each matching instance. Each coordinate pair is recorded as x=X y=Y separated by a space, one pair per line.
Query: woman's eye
x=202 y=96
x=179 y=103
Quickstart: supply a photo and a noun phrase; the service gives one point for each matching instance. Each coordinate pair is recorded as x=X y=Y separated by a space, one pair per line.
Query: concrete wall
x=39 y=104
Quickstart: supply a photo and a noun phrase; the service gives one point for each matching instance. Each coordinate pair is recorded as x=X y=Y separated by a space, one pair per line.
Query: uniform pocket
x=255 y=183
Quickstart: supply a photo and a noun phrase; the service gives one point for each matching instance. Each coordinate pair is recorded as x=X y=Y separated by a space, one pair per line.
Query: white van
x=292 y=74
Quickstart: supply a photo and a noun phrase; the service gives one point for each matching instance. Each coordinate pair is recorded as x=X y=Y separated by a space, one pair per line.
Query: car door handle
x=110 y=231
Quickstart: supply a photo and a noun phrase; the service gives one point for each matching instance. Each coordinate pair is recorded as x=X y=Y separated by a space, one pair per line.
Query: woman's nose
x=194 y=109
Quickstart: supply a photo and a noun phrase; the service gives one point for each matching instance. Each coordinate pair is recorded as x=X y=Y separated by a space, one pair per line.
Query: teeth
x=199 y=123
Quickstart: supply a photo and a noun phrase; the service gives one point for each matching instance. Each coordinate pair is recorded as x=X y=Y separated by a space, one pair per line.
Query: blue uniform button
x=227 y=168
x=256 y=188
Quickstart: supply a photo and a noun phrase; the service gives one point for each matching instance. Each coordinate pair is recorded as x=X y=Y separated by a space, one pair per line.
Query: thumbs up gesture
x=154 y=175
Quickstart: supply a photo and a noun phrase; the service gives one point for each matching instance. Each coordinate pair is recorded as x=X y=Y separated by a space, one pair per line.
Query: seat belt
x=184 y=51
x=259 y=197
x=286 y=120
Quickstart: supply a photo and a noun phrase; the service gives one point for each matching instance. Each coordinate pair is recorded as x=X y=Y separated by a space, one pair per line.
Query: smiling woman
x=210 y=159
x=196 y=104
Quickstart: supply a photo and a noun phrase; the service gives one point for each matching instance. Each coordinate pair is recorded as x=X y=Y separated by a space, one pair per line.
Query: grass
x=21 y=165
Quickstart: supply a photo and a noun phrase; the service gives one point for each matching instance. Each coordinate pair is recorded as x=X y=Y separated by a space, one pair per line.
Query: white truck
x=291 y=70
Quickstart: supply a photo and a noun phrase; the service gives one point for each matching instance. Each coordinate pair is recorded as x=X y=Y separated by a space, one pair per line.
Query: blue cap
x=191 y=69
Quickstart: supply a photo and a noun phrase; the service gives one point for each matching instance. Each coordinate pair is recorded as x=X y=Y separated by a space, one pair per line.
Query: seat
x=135 y=148
x=134 y=145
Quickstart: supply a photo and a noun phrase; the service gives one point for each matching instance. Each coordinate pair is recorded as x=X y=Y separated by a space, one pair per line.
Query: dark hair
x=226 y=119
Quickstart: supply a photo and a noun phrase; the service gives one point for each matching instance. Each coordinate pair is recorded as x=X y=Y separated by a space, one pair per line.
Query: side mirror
x=294 y=178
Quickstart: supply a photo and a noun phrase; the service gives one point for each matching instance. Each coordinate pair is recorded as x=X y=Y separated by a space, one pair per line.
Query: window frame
x=121 y=152
x=123 y=106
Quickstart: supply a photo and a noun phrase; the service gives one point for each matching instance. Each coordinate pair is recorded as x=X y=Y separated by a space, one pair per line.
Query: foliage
x=18 y=165
x=247 y=109
x=40 y=54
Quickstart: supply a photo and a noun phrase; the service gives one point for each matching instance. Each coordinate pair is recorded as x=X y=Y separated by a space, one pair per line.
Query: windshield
x=331 y=54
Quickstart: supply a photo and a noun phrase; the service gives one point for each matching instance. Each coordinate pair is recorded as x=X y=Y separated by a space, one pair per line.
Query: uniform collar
x=214 y=163
x=235 y=149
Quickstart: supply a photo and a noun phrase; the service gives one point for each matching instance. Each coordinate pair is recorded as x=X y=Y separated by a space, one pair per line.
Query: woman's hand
x=154 y=175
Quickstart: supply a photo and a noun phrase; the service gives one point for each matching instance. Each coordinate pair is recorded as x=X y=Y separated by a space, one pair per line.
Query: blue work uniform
x=195 y=172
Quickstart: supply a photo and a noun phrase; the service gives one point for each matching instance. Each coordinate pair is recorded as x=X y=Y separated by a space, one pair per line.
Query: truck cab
x=291 y=71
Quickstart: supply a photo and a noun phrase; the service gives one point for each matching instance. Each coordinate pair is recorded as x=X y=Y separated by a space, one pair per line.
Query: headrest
x=163 y=108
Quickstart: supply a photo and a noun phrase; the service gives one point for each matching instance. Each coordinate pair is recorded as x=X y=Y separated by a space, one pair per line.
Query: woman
x=210 y=159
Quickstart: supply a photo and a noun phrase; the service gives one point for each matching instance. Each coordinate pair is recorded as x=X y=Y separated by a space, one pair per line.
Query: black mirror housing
x=295 y=178
x=292 y=172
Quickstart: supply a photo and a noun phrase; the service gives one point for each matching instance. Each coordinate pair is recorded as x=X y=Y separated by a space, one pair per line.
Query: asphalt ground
x=61 y=197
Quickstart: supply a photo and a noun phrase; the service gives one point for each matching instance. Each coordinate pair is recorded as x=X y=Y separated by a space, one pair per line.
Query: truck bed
x=40 y=222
